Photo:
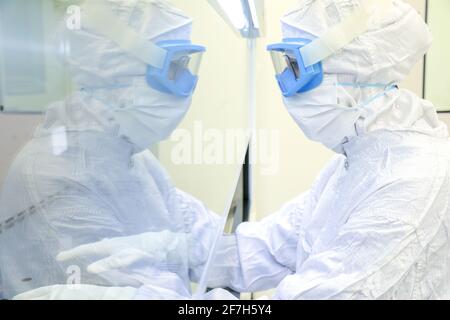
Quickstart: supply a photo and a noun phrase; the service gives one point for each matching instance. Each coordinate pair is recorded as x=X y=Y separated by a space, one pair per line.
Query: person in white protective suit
x=87 y=174
x=375 y=224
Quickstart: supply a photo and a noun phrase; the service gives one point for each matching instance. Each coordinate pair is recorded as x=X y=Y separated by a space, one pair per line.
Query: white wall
x=438 y=64
x=438 y=72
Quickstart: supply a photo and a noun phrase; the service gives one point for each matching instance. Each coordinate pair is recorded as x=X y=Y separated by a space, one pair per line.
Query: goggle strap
x=343 y=33
x=99 y=16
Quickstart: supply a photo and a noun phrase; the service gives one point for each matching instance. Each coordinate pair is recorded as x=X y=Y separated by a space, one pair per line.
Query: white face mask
x=321 y=116
x=150 y=117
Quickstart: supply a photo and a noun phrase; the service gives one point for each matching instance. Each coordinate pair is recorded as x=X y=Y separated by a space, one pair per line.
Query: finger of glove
x=43 y=293
x=103 y=247
x=121 y=260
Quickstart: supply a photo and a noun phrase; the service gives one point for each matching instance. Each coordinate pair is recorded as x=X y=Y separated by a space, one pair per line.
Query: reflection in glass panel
x=29 y=65
x=86 y=202
x=205 y=154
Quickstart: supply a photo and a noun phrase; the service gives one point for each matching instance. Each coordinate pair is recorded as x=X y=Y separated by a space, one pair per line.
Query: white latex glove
x=152 y=262
x=158 y=246
x=219 y=294
x=90 y=292
x=145 y=259
x=78 y=292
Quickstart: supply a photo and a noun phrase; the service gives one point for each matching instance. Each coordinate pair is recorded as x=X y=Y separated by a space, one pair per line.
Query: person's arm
x=261 y=254
x=375 y=249
x=203 y=228
x=256 y=258
x=366 y=258
x=62 y=223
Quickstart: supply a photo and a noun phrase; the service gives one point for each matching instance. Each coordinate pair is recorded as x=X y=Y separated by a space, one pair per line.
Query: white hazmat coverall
x=376 y=222
x=86 y=175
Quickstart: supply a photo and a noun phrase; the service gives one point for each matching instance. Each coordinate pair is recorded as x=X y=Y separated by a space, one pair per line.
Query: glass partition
x=127 y=182
x=30 y=75
x=205 y=153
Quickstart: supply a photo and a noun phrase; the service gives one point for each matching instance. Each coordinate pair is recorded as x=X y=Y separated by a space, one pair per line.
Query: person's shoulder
x=426 y=160
x=37 y=164
x=410 y=183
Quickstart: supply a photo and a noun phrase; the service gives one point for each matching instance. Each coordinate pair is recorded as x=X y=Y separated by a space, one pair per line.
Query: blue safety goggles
x=178 y=74
x=172 y=65
x=292 y=74
x=298 y=62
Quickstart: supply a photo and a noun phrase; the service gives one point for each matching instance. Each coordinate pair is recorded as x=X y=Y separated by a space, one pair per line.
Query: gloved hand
x=90 y=292
x=152 y=259
x=158 y=246
x=78 y=292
